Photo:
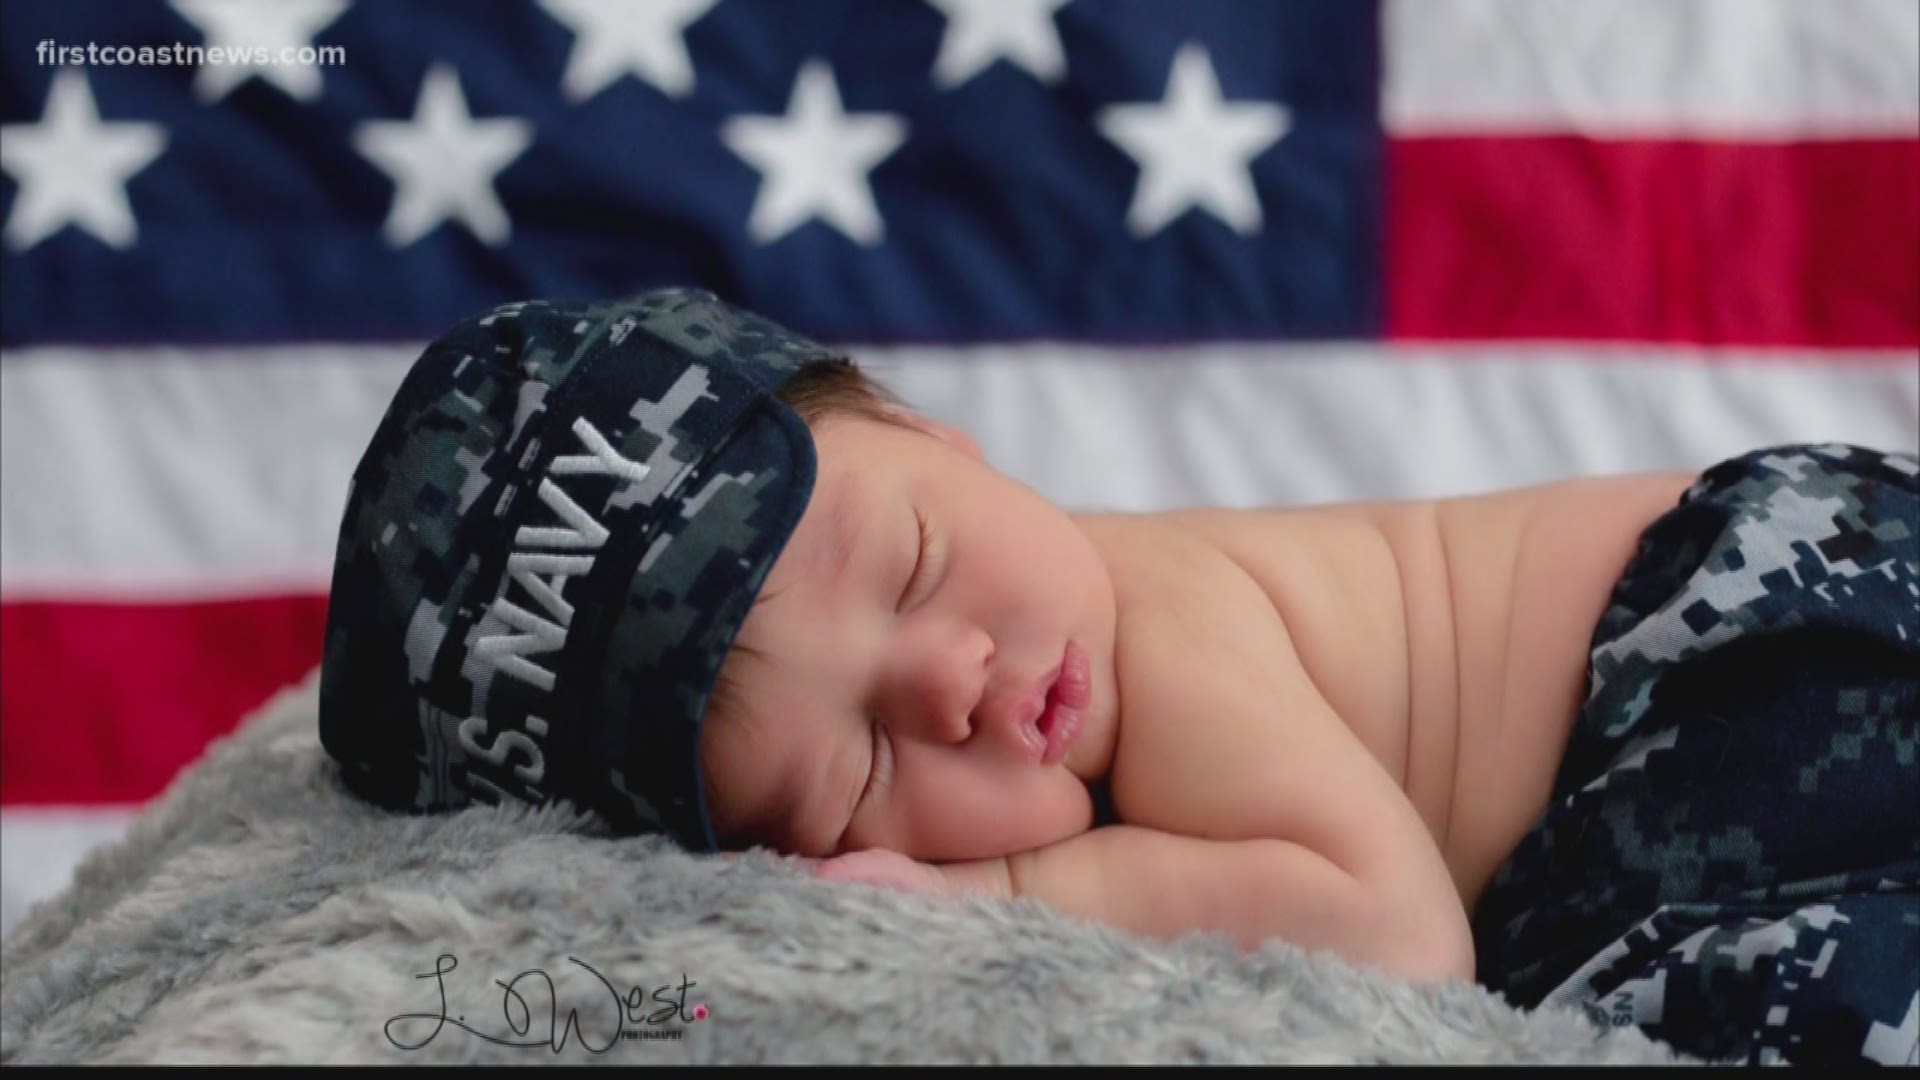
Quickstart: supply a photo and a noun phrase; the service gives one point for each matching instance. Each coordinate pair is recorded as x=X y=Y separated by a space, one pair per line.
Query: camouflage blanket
x=1731 y=861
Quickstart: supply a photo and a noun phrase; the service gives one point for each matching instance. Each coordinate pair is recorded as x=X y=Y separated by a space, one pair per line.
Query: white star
x=74 y=168
x=443 y=162
x=815 y=160
x=237 y=27
x=980 y=31
x=1194 y=149
x=613 y=37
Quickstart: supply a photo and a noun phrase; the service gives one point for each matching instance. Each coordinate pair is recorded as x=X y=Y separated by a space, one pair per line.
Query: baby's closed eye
x=925 y=565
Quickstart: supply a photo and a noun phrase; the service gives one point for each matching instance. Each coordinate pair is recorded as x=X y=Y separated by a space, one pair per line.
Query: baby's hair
x=821 y=389
x=824 y=388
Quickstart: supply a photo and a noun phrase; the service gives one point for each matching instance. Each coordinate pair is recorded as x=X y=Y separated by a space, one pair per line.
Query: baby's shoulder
x=1317 y=597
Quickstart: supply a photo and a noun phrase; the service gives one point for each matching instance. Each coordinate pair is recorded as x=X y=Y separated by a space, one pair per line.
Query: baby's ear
x=939 y=429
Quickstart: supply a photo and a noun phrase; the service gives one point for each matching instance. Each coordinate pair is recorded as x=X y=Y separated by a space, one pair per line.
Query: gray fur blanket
x=259 y=913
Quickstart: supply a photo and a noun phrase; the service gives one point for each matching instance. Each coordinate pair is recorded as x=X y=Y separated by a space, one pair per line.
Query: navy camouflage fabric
x=1731 y=860
x=547 y=548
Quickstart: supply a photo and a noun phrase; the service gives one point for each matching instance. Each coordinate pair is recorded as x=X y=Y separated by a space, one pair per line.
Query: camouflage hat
x=561 y=522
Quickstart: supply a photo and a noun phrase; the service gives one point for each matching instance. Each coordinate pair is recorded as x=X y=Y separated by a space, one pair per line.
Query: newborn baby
x=1328 y=724
x=1599 y=742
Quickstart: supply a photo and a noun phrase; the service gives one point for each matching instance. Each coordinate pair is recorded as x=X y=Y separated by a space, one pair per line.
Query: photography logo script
x=530 y=1014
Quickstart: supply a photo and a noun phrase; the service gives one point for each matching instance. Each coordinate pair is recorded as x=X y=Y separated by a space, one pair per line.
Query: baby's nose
x=947 y=708
x=952 y=689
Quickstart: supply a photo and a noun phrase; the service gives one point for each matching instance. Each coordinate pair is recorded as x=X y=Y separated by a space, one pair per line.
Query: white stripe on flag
x=1256 y=424
x=223 y=473
x=41 y=848
x=1654 y=68
x=183 y=473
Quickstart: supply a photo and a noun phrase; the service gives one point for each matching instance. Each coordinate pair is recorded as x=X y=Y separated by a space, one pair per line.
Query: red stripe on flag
x=1570 y=238
x=106 y=702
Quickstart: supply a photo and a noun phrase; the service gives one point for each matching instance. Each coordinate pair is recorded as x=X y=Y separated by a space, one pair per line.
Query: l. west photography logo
x=625 y=1017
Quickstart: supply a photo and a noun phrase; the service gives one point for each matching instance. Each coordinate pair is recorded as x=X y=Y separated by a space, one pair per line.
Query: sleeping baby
x=1644 y=744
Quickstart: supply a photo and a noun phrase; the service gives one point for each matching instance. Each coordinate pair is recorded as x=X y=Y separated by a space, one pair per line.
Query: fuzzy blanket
x=259 y=913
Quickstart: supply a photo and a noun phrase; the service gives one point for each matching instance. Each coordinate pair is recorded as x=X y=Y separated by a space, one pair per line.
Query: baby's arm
x=1165 y=885
x=1227 y=738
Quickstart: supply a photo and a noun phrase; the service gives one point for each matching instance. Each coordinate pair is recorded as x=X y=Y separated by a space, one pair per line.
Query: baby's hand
x=883 y=866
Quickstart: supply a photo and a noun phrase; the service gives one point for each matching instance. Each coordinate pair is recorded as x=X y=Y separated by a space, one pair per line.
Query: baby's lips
x=1075 y=687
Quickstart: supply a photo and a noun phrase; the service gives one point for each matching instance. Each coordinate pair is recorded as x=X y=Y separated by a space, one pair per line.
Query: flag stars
x=238 y=27
x=443 y=162
x=73 y=167
x=982 y=31
x=814 y=160
x=615 y=37
x=1194 y=149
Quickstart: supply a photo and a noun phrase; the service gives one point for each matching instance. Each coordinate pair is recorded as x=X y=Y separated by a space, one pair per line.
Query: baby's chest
x=1347 y=613
x=1226 y=728
x=1449 y=639
x=1361 y=592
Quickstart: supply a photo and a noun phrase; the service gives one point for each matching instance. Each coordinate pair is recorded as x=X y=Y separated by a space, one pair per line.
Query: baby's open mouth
x=1060 y=717
x=1049 y=714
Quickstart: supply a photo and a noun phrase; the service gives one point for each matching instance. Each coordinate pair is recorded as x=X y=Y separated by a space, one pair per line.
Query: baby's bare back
x=1449 y=638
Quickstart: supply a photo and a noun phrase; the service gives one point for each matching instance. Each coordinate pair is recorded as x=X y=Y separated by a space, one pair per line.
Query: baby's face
x=886 y=698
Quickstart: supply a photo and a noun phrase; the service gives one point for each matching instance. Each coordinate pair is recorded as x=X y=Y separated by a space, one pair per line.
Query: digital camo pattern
x=547 y=549
x=1731 y=860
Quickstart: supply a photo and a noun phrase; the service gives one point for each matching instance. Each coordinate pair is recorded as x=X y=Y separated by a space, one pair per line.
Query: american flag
x=1152 y=254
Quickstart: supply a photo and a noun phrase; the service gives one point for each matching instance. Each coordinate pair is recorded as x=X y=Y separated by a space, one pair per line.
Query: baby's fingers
x=878 y=866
